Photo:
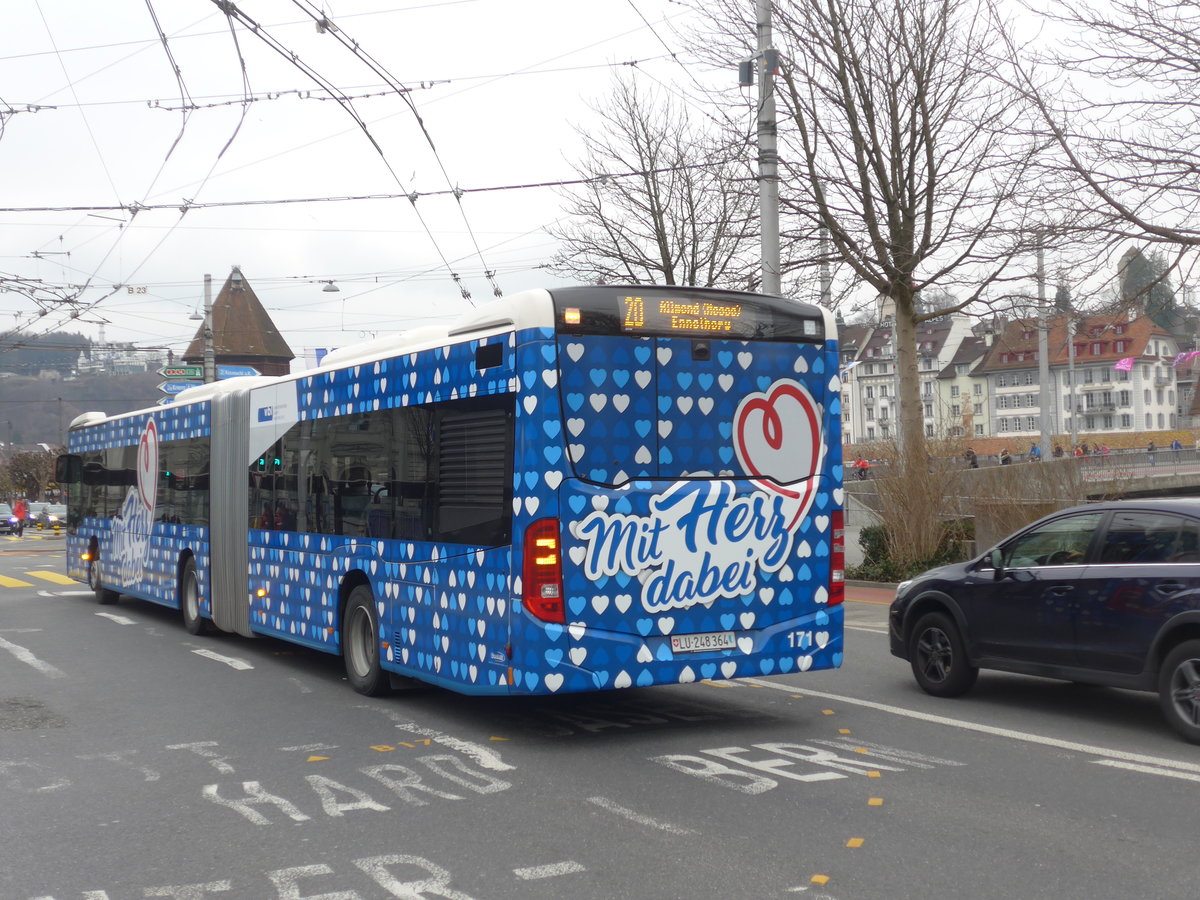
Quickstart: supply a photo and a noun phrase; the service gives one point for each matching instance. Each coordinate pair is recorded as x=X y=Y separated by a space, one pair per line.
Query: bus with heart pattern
x=569 y=490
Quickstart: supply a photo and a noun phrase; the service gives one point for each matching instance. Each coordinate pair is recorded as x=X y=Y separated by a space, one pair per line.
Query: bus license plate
x=698 y=643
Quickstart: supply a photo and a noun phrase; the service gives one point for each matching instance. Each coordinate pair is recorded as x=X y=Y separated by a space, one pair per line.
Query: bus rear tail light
x=837 y=558
x=541 y=576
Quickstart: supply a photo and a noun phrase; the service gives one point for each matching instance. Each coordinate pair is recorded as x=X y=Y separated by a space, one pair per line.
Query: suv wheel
x=1179 y=689
x=939 y=657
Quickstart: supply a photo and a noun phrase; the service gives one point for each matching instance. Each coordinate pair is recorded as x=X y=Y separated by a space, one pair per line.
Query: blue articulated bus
x=570 y=490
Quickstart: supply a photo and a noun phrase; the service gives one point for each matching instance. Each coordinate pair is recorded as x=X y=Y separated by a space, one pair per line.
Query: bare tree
x=1125 y=113
x=901 y=142
x=665 y=201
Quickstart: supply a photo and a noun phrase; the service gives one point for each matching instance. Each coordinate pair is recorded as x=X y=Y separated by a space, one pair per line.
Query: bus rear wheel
x=103 y=595
x=360 y=644
x=189 y=599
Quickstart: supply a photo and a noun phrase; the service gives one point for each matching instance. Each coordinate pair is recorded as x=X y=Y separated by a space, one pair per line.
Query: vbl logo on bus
x=701 y=541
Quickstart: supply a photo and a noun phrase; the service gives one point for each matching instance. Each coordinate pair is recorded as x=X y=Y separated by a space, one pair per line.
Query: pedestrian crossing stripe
x=54 y=577
x=6 y=581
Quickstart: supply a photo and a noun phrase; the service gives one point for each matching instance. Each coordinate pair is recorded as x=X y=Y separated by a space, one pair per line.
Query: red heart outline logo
x=778 y=440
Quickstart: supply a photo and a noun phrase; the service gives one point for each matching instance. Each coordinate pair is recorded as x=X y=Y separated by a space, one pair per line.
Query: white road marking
x=569 y=867
x=605 y=803
x=484 y=756
x=232 y=662
x=29 y=659
x=1147 y=770
x=120 y=620
x=67 y=593
x=1057 y=743
x=874 y=630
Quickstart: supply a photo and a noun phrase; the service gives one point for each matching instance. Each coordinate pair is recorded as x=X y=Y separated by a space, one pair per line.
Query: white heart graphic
x=821 y=596
x=622 y=680
x=804 y=662
x=665 y=624
x=747 y=620
x=598 y=401
x=553 y=681
x=623 y=602
x=575 y=351
x=578 y=655
x=728 y=669
x=600 y=604
x=577 y=630
x=644 y=655
x=822 y=638
x=746 y=645
x=687 y=676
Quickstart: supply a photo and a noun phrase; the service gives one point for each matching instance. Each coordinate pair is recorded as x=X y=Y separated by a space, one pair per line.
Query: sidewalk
x=874 y=592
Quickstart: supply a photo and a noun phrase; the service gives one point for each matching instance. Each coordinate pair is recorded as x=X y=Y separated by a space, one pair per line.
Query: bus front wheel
x=360 y=643
x=189 y=599
x=103 y=595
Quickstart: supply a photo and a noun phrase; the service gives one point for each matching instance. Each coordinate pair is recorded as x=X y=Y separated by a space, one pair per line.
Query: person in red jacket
x=20 y=511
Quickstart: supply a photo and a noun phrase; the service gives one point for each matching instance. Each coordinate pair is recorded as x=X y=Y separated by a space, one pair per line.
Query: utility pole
x=210 y=357
x=1044 y=400
x=766 y=60
x=768 y=153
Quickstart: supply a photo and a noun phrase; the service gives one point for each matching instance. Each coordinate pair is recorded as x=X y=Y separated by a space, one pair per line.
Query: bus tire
x=360 y=644
x=189 y=599
x=103 y=595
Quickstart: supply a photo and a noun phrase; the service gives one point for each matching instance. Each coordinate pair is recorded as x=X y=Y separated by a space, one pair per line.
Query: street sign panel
x=236 y=371
x=181 y=371
x=176 y=387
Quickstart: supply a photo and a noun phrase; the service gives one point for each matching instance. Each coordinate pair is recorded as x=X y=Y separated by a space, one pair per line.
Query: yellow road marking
x=844 y=731
x=820 y=879
x=827 y=712
x=318 y=758
x=382 y=748
x=875 y=801
x=854 y=843
x=6 y=581
x=54 y=577
x=497 y=739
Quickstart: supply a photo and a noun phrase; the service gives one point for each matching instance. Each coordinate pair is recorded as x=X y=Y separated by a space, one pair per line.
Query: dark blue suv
x=1103 y=594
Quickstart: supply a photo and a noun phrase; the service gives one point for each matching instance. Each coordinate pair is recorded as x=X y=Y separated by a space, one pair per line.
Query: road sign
x=181 y=371
x=176 y=387
x=235 y=371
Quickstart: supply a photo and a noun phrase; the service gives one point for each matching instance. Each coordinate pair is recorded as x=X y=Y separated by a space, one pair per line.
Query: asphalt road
x=139 y=761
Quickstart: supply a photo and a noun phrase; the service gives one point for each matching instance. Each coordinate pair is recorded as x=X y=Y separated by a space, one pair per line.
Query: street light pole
x=210 y=356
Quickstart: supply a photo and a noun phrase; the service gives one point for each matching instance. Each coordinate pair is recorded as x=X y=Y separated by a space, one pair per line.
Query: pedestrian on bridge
x=1150 y=452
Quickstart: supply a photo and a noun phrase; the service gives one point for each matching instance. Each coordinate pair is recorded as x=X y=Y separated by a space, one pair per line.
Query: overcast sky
x=95 y=111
